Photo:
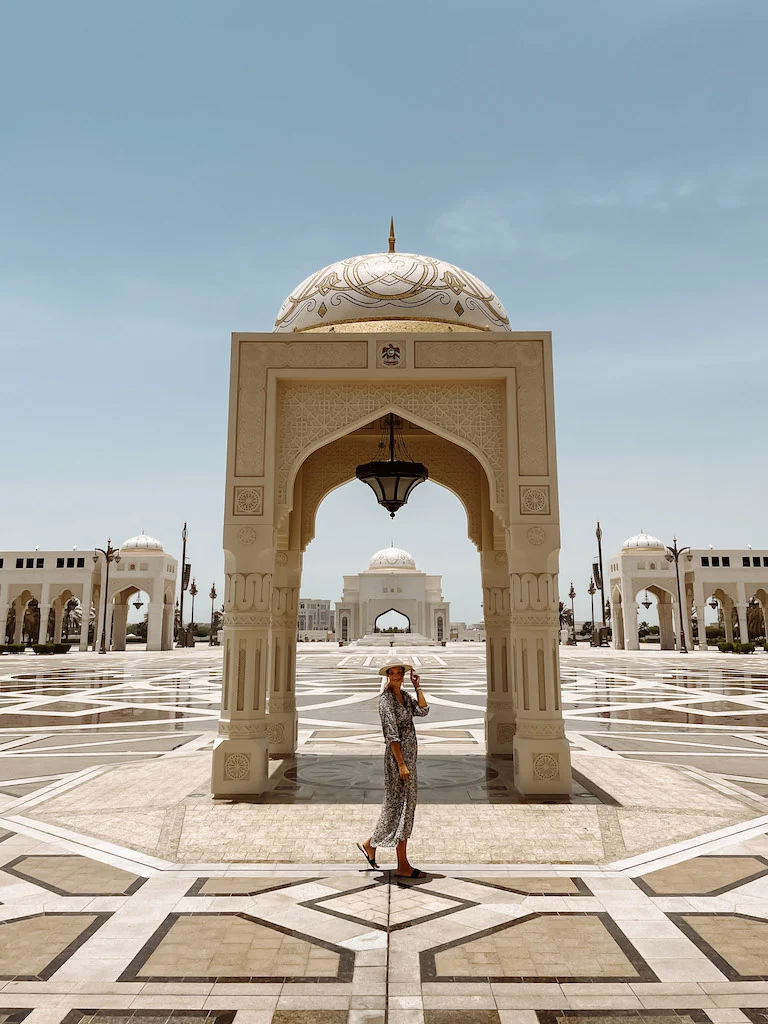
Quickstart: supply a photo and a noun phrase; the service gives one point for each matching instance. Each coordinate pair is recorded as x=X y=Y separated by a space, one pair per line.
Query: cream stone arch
x=481 y=410
x=333 y=465
x=468 y=414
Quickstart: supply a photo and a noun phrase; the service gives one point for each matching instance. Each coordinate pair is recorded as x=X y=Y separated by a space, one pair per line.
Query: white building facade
x=392 y=583
x=718 y=578
x=314 y=613
x=52 y=578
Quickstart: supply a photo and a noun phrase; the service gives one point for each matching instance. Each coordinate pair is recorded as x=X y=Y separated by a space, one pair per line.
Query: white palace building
x=726 y=579
x=392 y=583
x=49 y=579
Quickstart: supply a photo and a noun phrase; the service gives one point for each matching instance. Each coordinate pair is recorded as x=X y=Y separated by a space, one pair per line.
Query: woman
x=397 y=709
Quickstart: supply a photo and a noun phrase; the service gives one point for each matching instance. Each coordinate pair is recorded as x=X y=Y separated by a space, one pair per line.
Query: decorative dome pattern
x=141 y=543
x=392 y=560
x=643 y=541
x=391 y=286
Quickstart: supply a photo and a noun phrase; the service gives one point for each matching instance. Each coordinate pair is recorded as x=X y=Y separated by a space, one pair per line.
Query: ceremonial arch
x=421 y=339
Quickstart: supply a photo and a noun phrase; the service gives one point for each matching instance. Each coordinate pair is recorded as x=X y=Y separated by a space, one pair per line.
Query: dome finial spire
x=392 y=238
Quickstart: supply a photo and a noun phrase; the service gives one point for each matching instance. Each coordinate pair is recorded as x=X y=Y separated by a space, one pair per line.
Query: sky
x=170 y=171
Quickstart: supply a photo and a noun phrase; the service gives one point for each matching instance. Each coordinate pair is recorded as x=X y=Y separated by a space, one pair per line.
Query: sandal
x=414 y=874
x=371 y=860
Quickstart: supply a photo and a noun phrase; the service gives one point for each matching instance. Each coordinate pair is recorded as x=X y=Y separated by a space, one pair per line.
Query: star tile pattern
x=95 y=931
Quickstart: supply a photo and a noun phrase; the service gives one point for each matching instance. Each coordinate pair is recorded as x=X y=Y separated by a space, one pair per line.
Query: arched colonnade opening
x=41 y=614
x=523 y=685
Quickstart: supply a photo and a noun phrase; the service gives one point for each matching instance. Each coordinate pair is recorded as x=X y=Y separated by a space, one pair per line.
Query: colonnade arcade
x=305 y=410
x=733 y=584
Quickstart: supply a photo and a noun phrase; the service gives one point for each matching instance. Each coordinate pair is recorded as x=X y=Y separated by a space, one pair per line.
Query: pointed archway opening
x=305 y=412
x=392 y=621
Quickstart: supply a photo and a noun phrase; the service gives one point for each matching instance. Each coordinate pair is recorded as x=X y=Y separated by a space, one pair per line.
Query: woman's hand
x=414 y=679
x=404 y=772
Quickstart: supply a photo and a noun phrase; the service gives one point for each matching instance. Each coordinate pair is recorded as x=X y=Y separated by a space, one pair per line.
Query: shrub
x=61 y=648
x=12 y=648
x=44 y=648
x=735 y=647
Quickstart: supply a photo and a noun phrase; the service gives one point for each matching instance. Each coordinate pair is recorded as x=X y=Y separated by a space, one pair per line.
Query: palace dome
x=141 y=543
x=394 y=291
x=643 y=541
x=392 y=560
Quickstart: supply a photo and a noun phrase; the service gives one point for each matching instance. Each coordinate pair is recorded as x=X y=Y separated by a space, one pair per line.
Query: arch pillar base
x=283 y=733
x=500 y=729
x=240 y=765
x=542 y=765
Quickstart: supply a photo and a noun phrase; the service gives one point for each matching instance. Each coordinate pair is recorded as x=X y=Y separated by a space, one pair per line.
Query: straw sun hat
x=385 y=669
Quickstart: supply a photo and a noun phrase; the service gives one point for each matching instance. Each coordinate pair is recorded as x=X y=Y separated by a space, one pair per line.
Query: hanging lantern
x=713 y=604
x=647 y=602
x=138 y=603
x=392 y=479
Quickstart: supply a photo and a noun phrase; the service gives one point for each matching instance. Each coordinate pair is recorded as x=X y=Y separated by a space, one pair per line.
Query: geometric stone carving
x=534 y=501
x=536 y=536
x=249 y=501
x=471 y=411
x=505 y=732
x=546 y=766
x=237 y=766
x=246 y=535
x=275 y=732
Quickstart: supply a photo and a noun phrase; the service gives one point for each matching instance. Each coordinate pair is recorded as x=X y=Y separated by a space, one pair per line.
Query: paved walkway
x=127 y=894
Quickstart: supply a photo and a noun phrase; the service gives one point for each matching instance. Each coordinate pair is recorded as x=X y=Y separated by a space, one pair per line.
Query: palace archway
x=435 y=350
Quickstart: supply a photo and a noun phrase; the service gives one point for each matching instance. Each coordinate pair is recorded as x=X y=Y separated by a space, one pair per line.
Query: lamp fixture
x=392 y=479
x=647 y=602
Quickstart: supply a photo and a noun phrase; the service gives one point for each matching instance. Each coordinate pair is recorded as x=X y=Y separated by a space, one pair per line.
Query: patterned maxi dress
x=396 y=819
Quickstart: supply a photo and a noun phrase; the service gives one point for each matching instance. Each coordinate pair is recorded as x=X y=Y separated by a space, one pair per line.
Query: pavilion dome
x=391 y=291
x=392 y=560
x=643 y=541
x=142 y=542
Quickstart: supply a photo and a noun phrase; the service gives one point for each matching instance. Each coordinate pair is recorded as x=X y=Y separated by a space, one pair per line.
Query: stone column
x=21 y=608
x=701 y=619
x=541 y=752
x=120 y=626
x=108 y=631
x=4 y=608
x=241 y=751
x=155 y=624
x=629 y=613
x=500 y=715
x=283 y=719
x=58 y=620
x=167 y=634
x=45 y=611
x=666 y=629
x=728 y=620
x=741 y=611
x=85 y=615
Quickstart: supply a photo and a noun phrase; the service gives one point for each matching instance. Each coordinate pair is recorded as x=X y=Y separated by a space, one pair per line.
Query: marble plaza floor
x=128 y=895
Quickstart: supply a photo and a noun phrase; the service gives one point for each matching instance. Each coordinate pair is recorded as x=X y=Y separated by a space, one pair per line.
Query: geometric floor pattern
x=92 y=933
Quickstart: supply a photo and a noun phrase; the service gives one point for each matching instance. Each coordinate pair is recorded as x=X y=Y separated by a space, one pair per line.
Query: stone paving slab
x=168 y=813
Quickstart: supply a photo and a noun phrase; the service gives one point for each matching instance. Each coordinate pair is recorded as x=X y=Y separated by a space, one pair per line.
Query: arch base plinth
x=542 y=767
x=283 y=733
x=240 y=767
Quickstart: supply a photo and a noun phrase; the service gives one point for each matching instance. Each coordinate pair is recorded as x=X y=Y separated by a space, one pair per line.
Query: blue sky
x=169 y=171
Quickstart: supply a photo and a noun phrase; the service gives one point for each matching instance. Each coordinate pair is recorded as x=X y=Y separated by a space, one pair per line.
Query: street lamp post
x=182 y=642
x=599 y=535
x=572 y=594
x=110 y=555
x=193 y=595
x=673 y=555
x=213 y=595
